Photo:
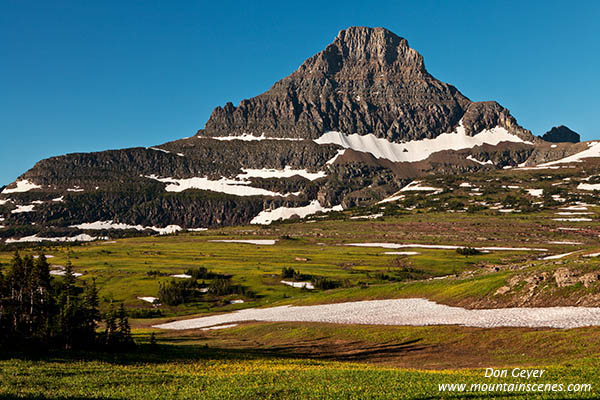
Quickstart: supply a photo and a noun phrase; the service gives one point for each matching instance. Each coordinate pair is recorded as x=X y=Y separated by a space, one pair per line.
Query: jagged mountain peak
x=367 y=81
x=376 y=48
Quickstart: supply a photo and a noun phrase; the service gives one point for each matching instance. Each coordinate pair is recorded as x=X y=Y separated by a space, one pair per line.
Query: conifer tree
x=91 y=307
x=110 y=329
x=123 y=328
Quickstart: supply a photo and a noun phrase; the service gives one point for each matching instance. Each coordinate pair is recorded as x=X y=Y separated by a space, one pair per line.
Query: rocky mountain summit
x=352 y=126
x=367 y=81
x=559 y=134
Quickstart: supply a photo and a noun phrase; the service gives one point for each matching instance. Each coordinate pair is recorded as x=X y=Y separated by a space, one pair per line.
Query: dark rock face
x=115 y=185
x=367 y=81
x=546 y=153
x=560 y=134
x=184 y=158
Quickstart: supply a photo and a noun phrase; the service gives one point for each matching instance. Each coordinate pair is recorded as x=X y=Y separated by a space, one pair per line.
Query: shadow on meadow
x=142 y=354
x=177 y=350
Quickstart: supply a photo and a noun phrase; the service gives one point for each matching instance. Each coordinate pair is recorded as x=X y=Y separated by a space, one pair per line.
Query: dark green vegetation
x=175 y=292
x=37 y=312
x=467 y=251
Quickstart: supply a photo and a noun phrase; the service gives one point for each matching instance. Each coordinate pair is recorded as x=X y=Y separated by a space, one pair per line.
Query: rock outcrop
x=561 y=134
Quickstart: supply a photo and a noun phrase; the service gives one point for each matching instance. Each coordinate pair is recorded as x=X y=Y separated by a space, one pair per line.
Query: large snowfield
x=415 y=312
x=418 y=150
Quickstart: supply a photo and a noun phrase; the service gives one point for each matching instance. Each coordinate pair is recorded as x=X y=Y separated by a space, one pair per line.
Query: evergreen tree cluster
x=37 y=311
x=176 y=292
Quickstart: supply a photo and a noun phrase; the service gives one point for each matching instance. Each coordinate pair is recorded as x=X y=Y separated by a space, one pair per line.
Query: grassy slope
x=192 y=373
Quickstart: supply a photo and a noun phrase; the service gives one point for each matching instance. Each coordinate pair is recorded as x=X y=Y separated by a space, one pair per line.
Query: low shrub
x=467 y=251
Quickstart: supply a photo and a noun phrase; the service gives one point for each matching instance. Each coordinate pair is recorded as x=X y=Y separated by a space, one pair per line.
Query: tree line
x=38 y=311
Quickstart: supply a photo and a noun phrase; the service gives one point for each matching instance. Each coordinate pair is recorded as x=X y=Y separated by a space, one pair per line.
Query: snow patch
x=415 y=186
x=395 y=197
x=588 y=186
x=260 y=242
x=181 y=276
x=148 y=299
x=100 y=225
x=247 y=138
x=372 y=216
x=535 y=192
x=572 y=219
x=159 y=149
x=287 y=172
x=537 y=167
x=575 y=208
x=471 y=158
x=79 y=238
x=23 y=209
x=401 y=253
x=223 y=185
x=439 y=246
x=339 y=153
x=265 y=217
x=558 y=256
x=164 y=151
x=21 y=186
x=60 y=272
x=574 y=213
x=305 y=285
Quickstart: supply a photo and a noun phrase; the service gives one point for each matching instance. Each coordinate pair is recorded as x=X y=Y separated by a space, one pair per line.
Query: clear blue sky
x=93 y=75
